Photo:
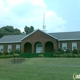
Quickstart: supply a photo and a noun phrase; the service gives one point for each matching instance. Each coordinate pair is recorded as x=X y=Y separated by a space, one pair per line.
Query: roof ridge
x=64 y=32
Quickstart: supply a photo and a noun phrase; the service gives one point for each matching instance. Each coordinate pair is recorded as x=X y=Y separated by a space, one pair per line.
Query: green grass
x=40 y=69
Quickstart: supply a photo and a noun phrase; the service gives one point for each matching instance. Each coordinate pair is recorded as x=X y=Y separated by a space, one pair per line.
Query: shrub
x=79 y=55
x=41 y=55
x=11 y=52
x=75 y=51
x=6 y=56
x=61 y=55
x=17 y=51
x=57 y=53
x=6 y=53
x=70 y=55
x=67 y=51
x=60 y=50
x=65 y=55
x=16 y=55
x=75 y=55
x=0 y=53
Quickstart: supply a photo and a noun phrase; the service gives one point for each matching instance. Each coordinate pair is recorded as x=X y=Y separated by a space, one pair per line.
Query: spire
x=44 y=26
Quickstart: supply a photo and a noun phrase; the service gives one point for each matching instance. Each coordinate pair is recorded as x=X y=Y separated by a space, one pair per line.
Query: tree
x=9 y=30
x=28 y=29
x=17 y=31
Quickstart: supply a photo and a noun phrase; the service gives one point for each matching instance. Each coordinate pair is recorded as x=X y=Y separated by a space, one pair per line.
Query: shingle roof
x=11 y=38
x=66 y=35
x=61 y=36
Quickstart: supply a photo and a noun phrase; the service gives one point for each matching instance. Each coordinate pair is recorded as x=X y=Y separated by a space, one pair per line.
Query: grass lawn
x=40 y=69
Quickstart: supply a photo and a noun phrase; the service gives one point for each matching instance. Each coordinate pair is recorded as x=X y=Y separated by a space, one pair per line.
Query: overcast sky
x=60 y=15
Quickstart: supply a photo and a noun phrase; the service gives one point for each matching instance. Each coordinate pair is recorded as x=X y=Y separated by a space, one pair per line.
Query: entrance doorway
x=27 y=47
x=49 y=47
x=38 y=47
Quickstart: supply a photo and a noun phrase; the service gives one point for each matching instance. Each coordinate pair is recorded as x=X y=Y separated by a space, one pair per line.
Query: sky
x=60 y=15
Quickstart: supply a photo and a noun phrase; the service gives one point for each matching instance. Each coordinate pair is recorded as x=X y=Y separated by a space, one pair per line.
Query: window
x=1 y=48
x=64 y=46
x=9 y=48
x=39 y=45
x=74 y=45
x=18 y=47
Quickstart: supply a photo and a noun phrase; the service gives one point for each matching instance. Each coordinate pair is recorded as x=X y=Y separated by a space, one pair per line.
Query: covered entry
x=49 y=46
x=38 y=47
x=27 y=47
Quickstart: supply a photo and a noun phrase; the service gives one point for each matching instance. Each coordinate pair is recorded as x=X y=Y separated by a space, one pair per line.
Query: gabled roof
x=18 y=38
x=66 y=35
x=61 y=36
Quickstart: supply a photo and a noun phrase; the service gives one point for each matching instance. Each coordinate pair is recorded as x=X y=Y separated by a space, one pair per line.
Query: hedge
x=31 y=55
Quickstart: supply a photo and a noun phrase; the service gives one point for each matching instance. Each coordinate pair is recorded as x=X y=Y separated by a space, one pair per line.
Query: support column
x=43 y=47
x=22 y=48
x=32 y=48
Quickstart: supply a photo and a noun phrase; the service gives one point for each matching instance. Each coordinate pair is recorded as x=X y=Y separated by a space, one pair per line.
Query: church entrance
x=38 y=47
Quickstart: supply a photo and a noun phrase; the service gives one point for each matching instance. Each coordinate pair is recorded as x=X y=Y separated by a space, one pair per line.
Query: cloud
x=19 y=13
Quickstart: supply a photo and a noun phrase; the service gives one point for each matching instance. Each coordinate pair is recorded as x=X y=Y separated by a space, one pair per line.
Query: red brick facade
x=49 y=43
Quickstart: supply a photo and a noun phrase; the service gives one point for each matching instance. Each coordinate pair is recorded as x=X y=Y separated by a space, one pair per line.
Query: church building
x=40 y=42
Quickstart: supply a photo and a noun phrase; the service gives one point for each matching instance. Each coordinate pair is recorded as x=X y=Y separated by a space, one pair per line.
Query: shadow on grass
x=17 y=60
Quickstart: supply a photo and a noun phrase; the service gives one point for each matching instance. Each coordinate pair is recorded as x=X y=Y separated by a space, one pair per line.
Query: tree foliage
x=9 y=30
x=28 y=29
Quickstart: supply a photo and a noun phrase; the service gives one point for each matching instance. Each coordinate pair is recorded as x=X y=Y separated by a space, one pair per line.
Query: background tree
x=28 y=29
x=9 y=30
x=17 y=31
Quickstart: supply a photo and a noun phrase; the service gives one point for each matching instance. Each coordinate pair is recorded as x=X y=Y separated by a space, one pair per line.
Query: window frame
x=18 y=47
x=64 y=45
x=9 y=48
x=74 y=44
x=1 y=48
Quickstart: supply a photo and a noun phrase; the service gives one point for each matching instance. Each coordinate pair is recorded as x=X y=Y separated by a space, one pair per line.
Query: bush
x=75 y=51
x=61 y=55
x=6 y=56
x=70 y=55
x=6 y=53
x=67 y=51
x=60 y=50
x=79 y=55
x=17 y=51
x=75 y=55
x=16 y=55
x=57 y=53
x=41 y=55
x=11 y=52
x=0 y=53
x=65 y=55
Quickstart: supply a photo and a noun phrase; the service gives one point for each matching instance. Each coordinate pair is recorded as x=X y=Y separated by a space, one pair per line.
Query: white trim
x=11 y=42
x=68 y=39
x=44 y=33
x=9 y=48
x=64 y=45
x=35 y=31
x=74 y=44
x=18 y=47
x=1 y=48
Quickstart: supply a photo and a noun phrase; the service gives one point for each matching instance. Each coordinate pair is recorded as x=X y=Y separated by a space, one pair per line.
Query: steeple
x=44 y=26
